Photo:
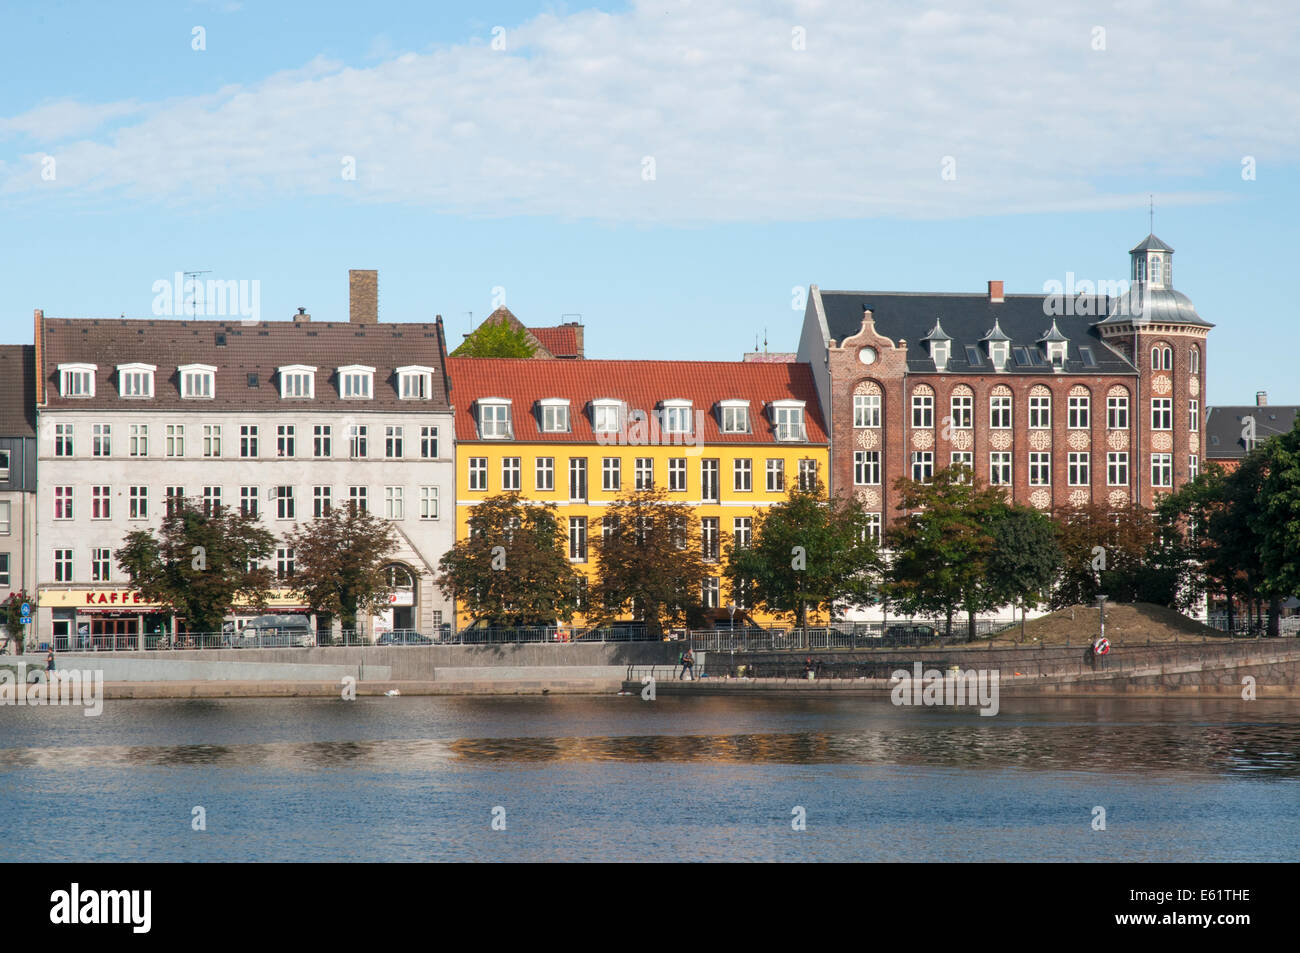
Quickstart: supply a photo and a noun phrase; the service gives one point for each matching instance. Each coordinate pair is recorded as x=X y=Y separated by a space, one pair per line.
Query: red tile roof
x=641 y=385
x=562 y=341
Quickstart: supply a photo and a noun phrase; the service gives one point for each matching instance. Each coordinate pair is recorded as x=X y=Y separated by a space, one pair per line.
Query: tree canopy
x=339 y=562
x=496 y=339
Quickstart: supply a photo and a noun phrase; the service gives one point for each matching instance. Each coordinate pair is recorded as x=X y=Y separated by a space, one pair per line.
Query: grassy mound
x=1126 y=624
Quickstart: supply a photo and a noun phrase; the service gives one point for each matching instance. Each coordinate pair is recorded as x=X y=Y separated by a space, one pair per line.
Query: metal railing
x=163 y=641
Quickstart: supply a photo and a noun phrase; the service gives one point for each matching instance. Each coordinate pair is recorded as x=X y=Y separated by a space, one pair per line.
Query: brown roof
x=247 y=350
x=561 y=341
x=642 y=385
x=17 y=390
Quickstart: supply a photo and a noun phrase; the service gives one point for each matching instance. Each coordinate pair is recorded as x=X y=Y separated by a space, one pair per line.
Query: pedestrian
x=688 y=664
x=49 y=666
x=681 y=666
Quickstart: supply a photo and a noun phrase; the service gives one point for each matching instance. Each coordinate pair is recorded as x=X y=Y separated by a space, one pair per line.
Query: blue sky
x=791 y=142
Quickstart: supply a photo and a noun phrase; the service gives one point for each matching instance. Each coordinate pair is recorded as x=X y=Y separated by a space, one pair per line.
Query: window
x=1089 y=359
x=1040 y=469
x=212 y=440
x=964 y=458
x=807 y=474
x=577 y=478
x=1056 y=352
x=1162 y=413
x=175 y=440
x=4 y=570
x=866 y=467
x=77 y=380
x=677 y=474
x=99 y=563
x=1077 y=417
x=1078 y=469
x=297 y=381
x=135 y=380
x=510 y=473
x=742 y=531
x=428 y=502
x=211 y=500
x=138 y=503
x=611 y=474
x=578 y=539
x=743 y=475
x=1193 y=466
x=393 y=439
x=644 y=473
x=1040 y=412
x=429 y=443
x=1000 y=469
x=321 y=439
x=973 y=357
x=322 y=500
x=1162 y=469
x=788 y=416
x=394 y=504
x=63 y=502
x=494 y=420
x=284 y=504
x=775 y=476
x=709 y=592
x=63 y=565
x=198 y=381
x=1162 y=358
x=922 y=410
x=1117 y=412
x=478 y=473
x=175 y=500
x=248 y=440
x=1155 y=270
x=63 y=440
x=415 y=382
x=922 y=466
x=963 y=411
x=676 y=416
x=284 y=562
x=866 y=410
x=545 y=474
x=358 y=441
x=709 y=481
x=1194 y=358
x=709 y=544
x=1117 y=469
x=1194 y=415
x=101 y=440
x=248 y=501
x=1000 y=412
x=355 y=381
x=605 y=416
x=873 y=527
x=285 y=440
x=555 y=416
x=101 y=503
x=138 y=445
x=359 y=496
x=998 y=351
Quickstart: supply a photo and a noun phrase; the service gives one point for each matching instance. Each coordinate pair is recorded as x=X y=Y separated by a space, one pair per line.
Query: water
x=617 y=778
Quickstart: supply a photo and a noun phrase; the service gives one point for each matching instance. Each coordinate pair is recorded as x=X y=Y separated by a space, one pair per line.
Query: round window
x=867 y=355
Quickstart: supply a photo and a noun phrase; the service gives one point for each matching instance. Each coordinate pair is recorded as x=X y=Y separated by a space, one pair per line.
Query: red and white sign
x=1101 y=646
x=402 y=597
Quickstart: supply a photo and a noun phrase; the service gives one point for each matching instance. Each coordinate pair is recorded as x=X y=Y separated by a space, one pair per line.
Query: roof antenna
x=765 y=340
x=195 y=302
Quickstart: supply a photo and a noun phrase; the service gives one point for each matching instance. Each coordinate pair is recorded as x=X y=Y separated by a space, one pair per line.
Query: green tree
x=1118 y=552
x=339 y=561
x=1276 y=519
x=496 y=339
x=11 y=618
x=513 y=569
x=198 y=565
x=1025 y=559
x=649 y=560
x=807 y=554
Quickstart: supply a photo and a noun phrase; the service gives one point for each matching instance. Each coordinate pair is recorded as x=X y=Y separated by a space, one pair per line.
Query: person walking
x=49 y=667
x=688 y=664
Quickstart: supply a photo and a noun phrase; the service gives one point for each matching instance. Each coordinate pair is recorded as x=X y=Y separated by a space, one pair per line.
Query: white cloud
x=741 y=126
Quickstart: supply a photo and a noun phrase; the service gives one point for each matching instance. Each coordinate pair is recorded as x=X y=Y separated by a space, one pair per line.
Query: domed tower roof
x=1151 y=298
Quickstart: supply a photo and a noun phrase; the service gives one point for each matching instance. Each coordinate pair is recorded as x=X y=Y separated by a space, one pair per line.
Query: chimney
x=39 y=336
x=578 y=341
x=995 y=292
x=1261 y=398
x=302 y=317
x=363 y=297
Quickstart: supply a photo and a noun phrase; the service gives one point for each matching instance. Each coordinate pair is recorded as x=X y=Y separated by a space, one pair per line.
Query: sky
x=673 y=174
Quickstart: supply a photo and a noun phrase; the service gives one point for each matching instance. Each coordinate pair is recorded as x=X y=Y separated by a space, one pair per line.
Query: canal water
x=619 y=778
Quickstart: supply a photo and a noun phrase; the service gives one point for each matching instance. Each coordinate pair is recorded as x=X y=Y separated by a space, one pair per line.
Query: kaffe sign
x=130 y=599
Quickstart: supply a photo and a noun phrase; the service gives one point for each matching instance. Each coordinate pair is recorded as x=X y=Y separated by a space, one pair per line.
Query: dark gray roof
x=1143 y=305
x=1053 y=334
x=969 y=318
x=1223 y=427
x=937 y=333
x=17 y=390
x=1151 y=243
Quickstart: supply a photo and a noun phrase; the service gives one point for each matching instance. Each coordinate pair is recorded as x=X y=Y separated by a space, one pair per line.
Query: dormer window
x=356 y=382
x=1056 y=352
x=939 y=351
x=77 y=380
x=297 y=381
x=787 y=416
x=606 y=415
x=198 y=381
x=555 y=415
x=494 y=419
x=998 y=353
x=135 y=380
x=735 y=416
x=415 y=382
x=676 y=416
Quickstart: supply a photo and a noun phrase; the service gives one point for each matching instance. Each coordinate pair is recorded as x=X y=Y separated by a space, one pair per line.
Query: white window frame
x=602 y=409
x=1040 y=411
x=395 y=503
x=866 y=468
x=962 y=408
x=131 y=375
x=77 y=380
x=1194 y=415
x=554 y=415
x=1117 y=465
x=356 y=382
x=1000 y=469
x=733 y=416
x=1000 y=404
x=1117 y=412
x=677 y=475
x=415 y=382
x=512 y=474
x=428 y=502
x=1078 y=412
x=788 y=420
x=1162 y=413
x=866 y=410
x=1075 y=463
x=922 y=466
x=297 y=382
x=1040 y=468
x=675 y=416
x=544 y=474
x=476 y=474
x=742 y=467
x=775 y=475
x=1162 y=464
x=489 y=426
x=922 y=411
x=197 y=381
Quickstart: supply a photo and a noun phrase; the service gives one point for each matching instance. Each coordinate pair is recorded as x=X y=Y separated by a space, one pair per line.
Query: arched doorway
x=402 y=595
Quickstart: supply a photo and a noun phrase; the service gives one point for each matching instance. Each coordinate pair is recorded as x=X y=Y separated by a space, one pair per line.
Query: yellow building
x=728 y=438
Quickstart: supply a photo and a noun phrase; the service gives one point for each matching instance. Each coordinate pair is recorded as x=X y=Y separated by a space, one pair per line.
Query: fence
x=153 y=641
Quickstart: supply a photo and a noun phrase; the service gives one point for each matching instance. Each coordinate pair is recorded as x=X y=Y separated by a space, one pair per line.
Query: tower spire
x=1151 y=214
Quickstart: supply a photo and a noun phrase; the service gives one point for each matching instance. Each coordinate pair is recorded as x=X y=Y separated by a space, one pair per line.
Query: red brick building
x=1066 y=399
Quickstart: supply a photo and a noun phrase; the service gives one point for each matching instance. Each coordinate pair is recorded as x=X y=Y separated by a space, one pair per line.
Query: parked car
x=403 y=638
x=276 y=631
x=910 y=634
x=485 y=629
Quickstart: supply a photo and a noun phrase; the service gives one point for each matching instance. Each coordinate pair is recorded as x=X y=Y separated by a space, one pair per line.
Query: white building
x=282 y=419
x=17 y=470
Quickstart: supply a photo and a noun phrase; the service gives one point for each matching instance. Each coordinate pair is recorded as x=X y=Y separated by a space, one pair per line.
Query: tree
x=943 y=544
x=339 y=560
x=496 y=339
x=807 y=554
x=1113 y=551
x=649 y=559
x=513 y=568
x=11 y=618
x=1276 y=520
x=1025 y=559
x=199 y=563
